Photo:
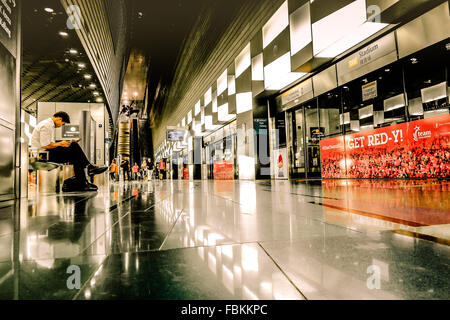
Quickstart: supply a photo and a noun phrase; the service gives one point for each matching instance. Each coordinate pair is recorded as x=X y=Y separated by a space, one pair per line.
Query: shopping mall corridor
x=216 y=240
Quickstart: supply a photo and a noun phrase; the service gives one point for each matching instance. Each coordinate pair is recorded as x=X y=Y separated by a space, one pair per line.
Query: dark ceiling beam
x=45 y=70
x=55 y=87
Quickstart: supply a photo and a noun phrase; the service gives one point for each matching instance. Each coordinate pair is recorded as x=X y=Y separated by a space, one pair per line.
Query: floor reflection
x=230 y=240
x=222 y=272
x=413 y=203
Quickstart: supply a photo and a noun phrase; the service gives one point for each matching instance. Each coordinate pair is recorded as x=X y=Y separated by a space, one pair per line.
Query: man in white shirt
x=43 y=138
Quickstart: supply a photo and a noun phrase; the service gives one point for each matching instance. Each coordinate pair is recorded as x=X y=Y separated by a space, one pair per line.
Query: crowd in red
x=417 y=160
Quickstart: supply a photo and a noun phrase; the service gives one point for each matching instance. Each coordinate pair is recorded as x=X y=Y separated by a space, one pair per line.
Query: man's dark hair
x=64 y=116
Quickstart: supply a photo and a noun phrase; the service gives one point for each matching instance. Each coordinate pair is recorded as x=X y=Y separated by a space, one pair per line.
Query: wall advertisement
x=281 y=164
x=224 y=170
x=418 y=149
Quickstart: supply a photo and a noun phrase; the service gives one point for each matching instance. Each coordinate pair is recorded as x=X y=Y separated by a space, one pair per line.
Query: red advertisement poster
x=418 y=149
x=185 y=173
x=224 y=170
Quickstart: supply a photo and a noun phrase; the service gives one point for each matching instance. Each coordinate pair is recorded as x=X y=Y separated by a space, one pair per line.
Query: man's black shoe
x=93 y=170
x=73 y=185
x=89 y=188
x=93 y=186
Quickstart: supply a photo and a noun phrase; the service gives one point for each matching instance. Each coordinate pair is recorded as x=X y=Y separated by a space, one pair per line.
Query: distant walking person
x=125 y=165
x=113 y=169
x=43 y=138
x=135 y=171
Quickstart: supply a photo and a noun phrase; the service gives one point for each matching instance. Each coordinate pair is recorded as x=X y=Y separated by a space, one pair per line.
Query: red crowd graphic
x=418 y=149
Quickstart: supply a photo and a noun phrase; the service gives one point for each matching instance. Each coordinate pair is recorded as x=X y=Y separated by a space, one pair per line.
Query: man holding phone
x=43 y=138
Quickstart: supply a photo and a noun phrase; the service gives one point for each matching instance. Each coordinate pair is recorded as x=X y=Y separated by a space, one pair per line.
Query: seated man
x=43 y=138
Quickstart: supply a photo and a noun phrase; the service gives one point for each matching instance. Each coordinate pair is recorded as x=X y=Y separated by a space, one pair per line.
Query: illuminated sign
x=70 y=131
x=407 y=150
x=176 y=134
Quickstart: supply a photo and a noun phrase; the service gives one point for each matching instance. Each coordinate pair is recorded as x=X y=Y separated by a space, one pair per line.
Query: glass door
x=299 y=142
x=313 y=134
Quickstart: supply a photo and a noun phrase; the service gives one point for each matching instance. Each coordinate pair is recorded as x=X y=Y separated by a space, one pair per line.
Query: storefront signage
x=416 y=149
x=297 y=92
x=365 y=57
x=8 y=23
x=370 y=91
x=261 y=126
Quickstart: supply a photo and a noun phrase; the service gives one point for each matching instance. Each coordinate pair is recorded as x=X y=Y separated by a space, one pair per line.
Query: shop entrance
x=223 y=159
x=306 y=134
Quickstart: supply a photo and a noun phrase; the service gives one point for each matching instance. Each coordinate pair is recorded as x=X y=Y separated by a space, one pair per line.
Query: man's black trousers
x=73 y=155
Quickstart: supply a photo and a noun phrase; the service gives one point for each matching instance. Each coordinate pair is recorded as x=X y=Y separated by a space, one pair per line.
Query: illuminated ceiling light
x=214 y=102
x=231 y=85
x=66 y=60
x=63 y=34
x=81 y=65
x=135 y=94
x=414 y=60
x=300 y=28
x=277 y=23
x=244 y=102
x=342 y=30
x=197 y=108
x=209 y=123
x=258 y=68
x=208 y=97
x=278 y=74
x=96 y=93
x=358 y=35
x=99 y=99
x=87 y=76
x=222 y=83
x=73 y=51
x=92 y=85
x=223 y=114
x=243 y=61
x=49 y=10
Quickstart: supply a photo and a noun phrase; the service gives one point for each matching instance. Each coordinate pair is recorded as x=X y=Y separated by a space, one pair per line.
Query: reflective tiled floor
x=231 y=240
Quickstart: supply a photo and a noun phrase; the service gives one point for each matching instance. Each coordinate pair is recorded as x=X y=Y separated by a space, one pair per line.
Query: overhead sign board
x=367 y=59
x=177 y=134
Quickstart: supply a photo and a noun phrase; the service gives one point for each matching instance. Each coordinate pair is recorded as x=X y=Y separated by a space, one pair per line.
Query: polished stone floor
x=230 y=240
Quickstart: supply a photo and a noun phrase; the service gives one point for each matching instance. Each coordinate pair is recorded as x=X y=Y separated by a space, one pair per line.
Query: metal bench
x=49 y=175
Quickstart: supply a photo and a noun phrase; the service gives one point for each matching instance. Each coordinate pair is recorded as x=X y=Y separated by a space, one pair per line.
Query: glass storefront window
x=330 y=113
x=374 y=100
x=299 y=148
x=426 y=74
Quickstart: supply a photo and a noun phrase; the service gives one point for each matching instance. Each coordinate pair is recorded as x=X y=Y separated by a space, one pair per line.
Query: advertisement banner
x=281 y=164
x=418 y=149
x=224 y=170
